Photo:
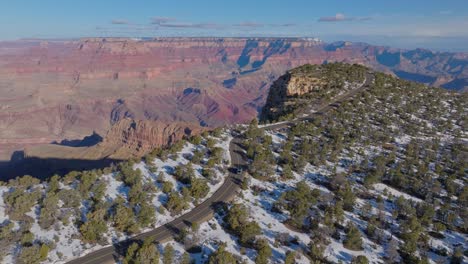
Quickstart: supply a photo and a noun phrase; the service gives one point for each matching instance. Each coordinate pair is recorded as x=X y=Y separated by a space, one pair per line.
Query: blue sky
x=435 y=24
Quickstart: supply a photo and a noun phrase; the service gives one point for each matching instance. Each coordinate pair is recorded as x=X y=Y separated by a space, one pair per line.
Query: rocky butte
x=67 y=90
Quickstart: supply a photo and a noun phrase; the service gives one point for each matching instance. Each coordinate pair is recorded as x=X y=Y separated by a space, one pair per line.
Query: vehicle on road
x=235 y=170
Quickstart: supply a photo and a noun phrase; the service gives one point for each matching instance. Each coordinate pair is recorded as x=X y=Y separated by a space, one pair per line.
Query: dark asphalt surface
x=200 y=213
x=205 y=210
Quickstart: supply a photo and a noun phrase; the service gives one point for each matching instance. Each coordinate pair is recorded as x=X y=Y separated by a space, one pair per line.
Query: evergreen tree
x=199 y=188
x=176 y=204
x=130 y=254
x=298 y=201
x=290 y=257
x=168 y=256
x=353 y=239
x=457 y=256
x=248 y=232
x=148 y=253
x=221 y=256
x=316 y=250
x=95 y=226
x=146 y=215
x=237 y=216
x=124 y=218
x=186 y=259
x=348 y=197
x=360 y=260
x=287 y=172
x=411 y=229
x=263 y=251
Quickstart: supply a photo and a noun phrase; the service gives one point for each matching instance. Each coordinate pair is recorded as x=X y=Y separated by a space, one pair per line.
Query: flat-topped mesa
x=310 y=85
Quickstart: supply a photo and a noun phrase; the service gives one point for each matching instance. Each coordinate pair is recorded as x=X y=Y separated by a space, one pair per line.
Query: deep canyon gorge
x=139 y=94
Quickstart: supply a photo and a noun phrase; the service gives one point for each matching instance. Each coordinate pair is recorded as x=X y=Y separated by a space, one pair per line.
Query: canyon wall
x=56 y=90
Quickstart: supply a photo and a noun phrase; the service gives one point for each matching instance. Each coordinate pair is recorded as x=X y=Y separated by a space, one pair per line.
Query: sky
x=433 y=24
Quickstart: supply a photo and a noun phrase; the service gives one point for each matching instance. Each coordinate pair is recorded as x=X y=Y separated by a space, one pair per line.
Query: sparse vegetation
x=378 y=178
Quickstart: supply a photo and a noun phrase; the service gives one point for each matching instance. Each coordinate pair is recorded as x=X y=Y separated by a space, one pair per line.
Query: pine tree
x=43 y=252
x=92 y=230
x=263 y=251
x=130 y=254
x=287 y=172
x=176 y=204
x=348 y=197
x=186 y=259
x=248 y=232
x=146 y=215
x=124 y=219
x=237 y=216
x=338 y=211
x=290 y=257
x=168 y=256
x=457 y=256
x=199 y=188
x=360 y=260
x=353 y=239
x=148 y=253
x=316 y=250
x=221 y=256
x=411 y=232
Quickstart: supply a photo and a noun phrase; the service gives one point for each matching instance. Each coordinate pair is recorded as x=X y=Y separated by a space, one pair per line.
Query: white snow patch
x=381 y=187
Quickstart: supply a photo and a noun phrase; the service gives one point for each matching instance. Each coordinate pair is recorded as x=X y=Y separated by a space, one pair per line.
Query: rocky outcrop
x=309 y=86
x=135 y=138
x=126 y=139
x=57 y=90
x=295 y=85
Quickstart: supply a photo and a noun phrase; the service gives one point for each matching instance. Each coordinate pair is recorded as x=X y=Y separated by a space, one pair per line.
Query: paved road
x=205 y=210
x=201 y=213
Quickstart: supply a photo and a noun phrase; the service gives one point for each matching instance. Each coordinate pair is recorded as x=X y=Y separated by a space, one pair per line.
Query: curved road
x=201 y=213
x=205 y=210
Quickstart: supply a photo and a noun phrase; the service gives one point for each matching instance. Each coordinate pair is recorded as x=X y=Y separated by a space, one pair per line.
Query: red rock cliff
x=54 y=90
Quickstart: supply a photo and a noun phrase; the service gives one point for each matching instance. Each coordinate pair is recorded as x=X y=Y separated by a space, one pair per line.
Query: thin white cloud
x=120 y=22
x=336 y=18
x=249 y=25
x=190 y=25
x=339 y=17
x=162 y=20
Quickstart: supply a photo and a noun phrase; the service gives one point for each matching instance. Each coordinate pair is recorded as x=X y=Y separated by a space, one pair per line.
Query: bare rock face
x=126 y=139
x=135 y=138
x=299 y=85
x=56 y=90
x=308 y=86
x=291 y=85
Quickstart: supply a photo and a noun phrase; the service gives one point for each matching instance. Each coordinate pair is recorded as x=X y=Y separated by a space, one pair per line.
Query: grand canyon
x=57 y=97
x=234 y=132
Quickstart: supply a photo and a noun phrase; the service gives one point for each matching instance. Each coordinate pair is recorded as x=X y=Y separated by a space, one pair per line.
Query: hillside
x=302 y=89
x=378 y=178
x=389 y=166
x=372 y=169
x=66 y=217
x=66 y=90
